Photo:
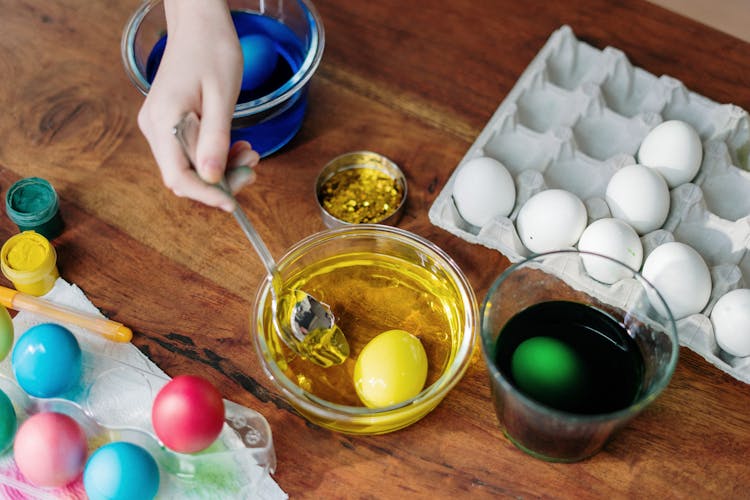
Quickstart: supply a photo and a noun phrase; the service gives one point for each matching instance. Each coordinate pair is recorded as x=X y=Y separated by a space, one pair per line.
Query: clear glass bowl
x=268 y=121
x=375 y=278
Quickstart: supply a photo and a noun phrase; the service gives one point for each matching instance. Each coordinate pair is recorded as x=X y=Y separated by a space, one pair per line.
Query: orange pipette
x=19 y=301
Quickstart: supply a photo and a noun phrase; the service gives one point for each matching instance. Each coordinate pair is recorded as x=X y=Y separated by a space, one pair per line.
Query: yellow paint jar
x=30 y=262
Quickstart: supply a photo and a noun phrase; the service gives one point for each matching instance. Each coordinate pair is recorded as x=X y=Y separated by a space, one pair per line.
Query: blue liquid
x=275 y=131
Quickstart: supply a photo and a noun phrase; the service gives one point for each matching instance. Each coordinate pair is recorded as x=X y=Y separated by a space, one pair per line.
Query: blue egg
x=259 y=58
x=47 y=360
x=121 y=471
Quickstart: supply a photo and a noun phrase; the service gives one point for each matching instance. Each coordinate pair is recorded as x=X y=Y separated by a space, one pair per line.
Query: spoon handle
x=250 y=232
x=186 y=132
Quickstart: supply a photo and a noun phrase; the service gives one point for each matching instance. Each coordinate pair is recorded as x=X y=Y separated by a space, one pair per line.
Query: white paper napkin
x=105 y=353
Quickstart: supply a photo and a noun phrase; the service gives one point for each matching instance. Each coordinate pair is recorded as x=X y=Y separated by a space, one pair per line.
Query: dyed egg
x=50 y=449
x=391 y=368
x=8 y=422
x=188 y=414
x=6 y=333
x=259 y=60
x=121 y=471
x=47 y=360
x=548 y=370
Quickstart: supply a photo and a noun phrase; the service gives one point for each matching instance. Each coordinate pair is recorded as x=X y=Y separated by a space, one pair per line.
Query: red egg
x=50 y=449
x=188 y=414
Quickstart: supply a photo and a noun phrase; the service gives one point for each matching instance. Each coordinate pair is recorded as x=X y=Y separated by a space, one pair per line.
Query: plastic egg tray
x=113 y=403
x=575 y=116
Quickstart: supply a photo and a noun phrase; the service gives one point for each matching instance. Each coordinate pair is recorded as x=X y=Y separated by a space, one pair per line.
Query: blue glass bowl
x=271 y=115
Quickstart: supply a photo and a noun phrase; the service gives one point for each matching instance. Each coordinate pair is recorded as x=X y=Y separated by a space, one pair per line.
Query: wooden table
x=415 y=81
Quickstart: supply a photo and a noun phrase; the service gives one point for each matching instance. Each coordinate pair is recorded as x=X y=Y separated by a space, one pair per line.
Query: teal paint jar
x=32 y=204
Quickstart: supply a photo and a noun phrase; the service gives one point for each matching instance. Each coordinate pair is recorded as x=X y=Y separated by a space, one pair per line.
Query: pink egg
x=188 y=414
x=50 y=449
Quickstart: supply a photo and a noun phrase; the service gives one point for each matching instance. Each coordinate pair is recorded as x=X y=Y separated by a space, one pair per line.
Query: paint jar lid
x=32 y=203
x=360 y=187
x=27 y=257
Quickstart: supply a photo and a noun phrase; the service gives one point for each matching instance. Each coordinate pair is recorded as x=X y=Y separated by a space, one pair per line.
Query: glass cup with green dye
x=571 y=360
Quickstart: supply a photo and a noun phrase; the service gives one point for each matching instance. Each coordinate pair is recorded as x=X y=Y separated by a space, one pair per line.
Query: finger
x=165 y=148
x=242 y=154
x=178 y=174
x=168 y=154
x=239 y=177
x=190 y=185
x=213 y=139
x=240 y=167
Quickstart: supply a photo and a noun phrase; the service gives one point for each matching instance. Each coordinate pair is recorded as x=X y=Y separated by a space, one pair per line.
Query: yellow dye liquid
x=370 y=293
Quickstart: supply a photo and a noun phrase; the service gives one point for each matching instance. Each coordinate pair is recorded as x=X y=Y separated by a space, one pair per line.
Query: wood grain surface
x=415 y=81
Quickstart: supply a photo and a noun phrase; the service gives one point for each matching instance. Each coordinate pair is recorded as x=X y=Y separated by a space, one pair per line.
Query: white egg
x=639 y=196
x=612 y=238
x=731 y=321
x=483 y=189
x=674 y=149
x=551 y=220
x=681 y=276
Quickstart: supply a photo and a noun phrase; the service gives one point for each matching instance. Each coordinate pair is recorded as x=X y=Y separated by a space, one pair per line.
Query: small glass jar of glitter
x=361 y=187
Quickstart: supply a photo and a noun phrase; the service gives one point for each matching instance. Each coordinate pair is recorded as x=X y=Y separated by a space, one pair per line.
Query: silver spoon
x=306 y=325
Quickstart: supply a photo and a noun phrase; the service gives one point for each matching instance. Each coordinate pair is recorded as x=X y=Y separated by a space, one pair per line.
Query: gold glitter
x=361 y=195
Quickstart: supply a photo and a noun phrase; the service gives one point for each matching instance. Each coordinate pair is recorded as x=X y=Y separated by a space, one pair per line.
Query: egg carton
x=575 y=117
x=113 y=402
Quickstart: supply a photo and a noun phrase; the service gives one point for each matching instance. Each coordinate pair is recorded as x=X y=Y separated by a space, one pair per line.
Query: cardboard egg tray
x=113 y=402
x=576 y=115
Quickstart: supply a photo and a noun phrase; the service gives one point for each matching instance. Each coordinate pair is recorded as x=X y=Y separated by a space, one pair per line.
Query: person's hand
x=200 y=71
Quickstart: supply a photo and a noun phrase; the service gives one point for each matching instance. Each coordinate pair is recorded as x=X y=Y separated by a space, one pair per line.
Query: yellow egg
x=6 y=333
x=391 y=368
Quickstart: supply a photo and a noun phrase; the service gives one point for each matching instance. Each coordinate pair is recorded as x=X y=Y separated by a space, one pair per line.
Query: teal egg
x=8 y=422
x=259 y=60
x=47 y=360
x=549 y=371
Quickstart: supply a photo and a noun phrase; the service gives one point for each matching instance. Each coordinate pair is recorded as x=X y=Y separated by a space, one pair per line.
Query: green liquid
x=584 y=361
